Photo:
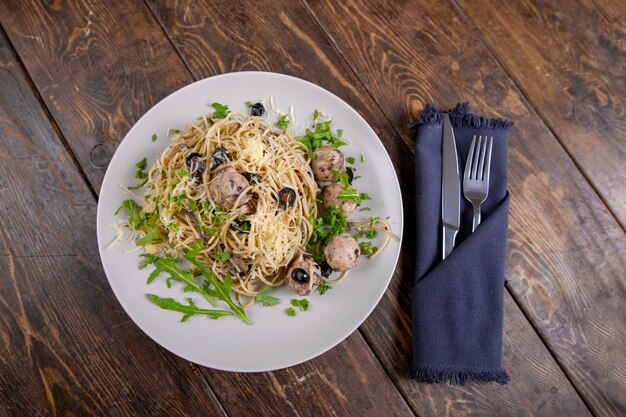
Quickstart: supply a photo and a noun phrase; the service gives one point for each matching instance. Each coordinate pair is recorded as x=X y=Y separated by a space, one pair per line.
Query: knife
x=450 y=188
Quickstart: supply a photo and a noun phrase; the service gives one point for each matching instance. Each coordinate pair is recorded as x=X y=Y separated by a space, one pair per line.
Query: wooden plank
x=136 y=77
x=566 y=252
x=99 y=66
x=570 y=64
x=538 y=384
x=65 y=347
x=614 y=11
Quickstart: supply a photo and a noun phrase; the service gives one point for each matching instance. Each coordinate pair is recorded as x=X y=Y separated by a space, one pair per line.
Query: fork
x=476 y=176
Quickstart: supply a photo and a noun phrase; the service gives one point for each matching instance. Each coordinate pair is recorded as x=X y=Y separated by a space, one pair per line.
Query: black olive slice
x=300 y=276
x=196 y=166
x=252 y=178
x=286 y=197
x=219 y=156
x=350 y=174
x=257 y=109
x=326 y=270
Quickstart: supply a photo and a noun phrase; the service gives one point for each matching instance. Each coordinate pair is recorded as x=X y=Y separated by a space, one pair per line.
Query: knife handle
x=449 y=235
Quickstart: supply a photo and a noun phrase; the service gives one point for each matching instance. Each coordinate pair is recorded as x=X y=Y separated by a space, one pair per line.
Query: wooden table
x=76 y=75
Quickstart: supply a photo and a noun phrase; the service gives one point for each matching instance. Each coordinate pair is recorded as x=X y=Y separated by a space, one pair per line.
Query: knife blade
x=450 y=189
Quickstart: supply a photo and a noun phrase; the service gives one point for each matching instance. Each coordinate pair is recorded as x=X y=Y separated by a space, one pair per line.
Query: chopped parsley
x=141 y=165
x=373 y=220
x=321 y=132
x=367 y=248
x=324 y=286
x=350 y=160
x=266 y=299
x=221 y=110
x=290 y=312
x=370 y=234
x=283 y=122
x=332 y=222
x=248 y=103
x=173 y=227
x=222 y=256
x=364 y=209
x=173 y=131
x=362 y=157
x=154 y=137
x=351 y=194
x=303 y=304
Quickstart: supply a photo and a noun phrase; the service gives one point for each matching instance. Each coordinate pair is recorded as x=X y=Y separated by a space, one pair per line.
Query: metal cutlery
x=450 y=189
x=476 y=176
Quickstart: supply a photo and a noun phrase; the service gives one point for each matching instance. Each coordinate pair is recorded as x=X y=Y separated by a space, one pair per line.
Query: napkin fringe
x=442 y=374
x=460 y=116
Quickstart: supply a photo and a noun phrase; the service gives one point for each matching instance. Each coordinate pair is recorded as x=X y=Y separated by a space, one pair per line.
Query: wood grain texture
x=66 y=347
x=538 y=386
x=572 y=69
x=98 y=66
x=613 y=10
x=567 y=254
x=90 y=104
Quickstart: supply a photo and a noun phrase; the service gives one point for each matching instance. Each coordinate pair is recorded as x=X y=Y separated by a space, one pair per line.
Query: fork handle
x=476 y=217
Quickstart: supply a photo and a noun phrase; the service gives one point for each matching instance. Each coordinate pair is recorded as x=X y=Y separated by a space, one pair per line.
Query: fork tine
x=488 y=162
x=474 y=174
x=470 y=158
x=482 y=152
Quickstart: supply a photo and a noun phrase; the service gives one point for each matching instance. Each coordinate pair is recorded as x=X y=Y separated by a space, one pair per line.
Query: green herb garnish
x=150 y=236
x=367 y=248
x=324 y=286
x=212 y=285
x=370 y=234
x=154 y=137
x=283 y=122
x=173 y=131
x=350 y=160
x=136 y=216
x=222 y=256
x=362 y=157
x=168 y=265
x=141 y=165
x=302 y=303
x=290 y=312
x=248 y=103
x=265 y=298
x=187 y=310
x=221 y=110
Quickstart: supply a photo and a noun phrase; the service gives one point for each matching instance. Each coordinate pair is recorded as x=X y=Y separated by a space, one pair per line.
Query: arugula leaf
x=221 y=110
x=264 y=298
x=141 y=184
x=303 y=304
x=332 y=222
x=290 y=312
x=343 y=178
x=149 y=237
x=154 y=137
x=168 y=266
x=283 y=122
x=220 y=291
x=248 y=103
x=187 y=310
x=324 y=286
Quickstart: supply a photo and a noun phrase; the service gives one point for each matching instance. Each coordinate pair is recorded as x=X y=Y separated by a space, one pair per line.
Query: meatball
x=342 y=252
x=330 y=199
x=226 y=186
x=303 y=275
x=326 y=159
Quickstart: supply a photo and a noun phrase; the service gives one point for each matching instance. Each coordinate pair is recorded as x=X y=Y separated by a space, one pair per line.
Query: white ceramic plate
x=275 y=340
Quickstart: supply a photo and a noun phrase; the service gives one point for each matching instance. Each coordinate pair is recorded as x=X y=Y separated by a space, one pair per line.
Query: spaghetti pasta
x=252 y=237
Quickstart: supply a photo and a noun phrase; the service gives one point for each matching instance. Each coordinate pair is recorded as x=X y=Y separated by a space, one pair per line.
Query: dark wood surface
x=76 y=75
